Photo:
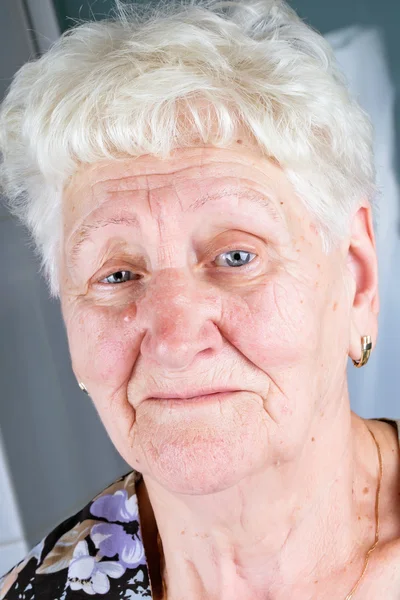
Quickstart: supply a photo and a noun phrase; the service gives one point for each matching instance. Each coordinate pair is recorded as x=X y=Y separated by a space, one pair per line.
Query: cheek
x=274 y=324
x=103 y=346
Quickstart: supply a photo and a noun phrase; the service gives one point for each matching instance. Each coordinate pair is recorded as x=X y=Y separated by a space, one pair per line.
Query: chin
x=201 y=449
x=201 y=468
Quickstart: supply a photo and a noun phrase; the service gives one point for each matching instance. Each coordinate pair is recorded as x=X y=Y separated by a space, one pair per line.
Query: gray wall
x=15 y=44
x=328 y=15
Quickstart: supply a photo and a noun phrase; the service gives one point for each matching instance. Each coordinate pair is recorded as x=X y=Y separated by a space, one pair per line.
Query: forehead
x=188 y=176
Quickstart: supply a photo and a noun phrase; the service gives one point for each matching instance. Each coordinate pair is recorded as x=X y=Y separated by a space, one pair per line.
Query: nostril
x=206 y=353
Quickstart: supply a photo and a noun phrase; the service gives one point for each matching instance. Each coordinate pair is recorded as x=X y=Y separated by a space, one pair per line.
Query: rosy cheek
x=272 y=325
x=103 y=345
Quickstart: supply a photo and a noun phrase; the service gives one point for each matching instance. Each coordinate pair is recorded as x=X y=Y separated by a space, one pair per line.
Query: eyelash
x=222 y=254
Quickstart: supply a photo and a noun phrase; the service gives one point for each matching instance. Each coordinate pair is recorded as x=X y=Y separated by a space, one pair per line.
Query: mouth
x=212 y=397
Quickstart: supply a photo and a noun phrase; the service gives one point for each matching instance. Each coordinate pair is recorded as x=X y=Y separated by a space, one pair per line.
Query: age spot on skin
x=365 y=490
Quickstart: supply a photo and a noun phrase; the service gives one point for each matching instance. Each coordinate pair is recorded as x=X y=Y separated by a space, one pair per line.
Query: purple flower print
x=111 y=539
x=87 y=574
x=116 y=507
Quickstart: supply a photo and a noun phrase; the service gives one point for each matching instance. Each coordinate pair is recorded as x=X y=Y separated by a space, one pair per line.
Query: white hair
x=118 y=88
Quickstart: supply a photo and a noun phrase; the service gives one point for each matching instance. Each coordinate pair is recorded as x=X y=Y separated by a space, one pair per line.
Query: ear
x=363 y=265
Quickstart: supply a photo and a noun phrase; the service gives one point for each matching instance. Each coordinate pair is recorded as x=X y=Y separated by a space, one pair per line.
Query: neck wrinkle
x=214 y=554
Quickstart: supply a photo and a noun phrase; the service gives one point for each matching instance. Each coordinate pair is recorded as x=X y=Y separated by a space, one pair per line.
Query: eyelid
x=215 y=247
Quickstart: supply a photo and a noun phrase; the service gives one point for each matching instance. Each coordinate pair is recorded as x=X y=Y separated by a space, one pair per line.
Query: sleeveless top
x=96 y=553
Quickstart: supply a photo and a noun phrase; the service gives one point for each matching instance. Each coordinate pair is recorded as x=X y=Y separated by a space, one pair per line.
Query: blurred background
x=54 y=453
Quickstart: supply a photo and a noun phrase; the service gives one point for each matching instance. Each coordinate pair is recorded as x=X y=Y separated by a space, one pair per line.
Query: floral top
x=98 y=553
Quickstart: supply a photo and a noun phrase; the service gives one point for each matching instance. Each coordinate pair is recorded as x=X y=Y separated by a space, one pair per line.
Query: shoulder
x=97 y=551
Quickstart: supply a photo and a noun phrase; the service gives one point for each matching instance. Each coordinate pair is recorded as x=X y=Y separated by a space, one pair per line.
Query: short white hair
x=118 y=88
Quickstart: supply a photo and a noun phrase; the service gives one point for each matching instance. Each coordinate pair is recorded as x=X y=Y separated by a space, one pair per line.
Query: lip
x=199 y=398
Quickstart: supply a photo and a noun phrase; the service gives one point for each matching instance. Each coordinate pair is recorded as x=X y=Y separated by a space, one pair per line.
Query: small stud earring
x=83 y=388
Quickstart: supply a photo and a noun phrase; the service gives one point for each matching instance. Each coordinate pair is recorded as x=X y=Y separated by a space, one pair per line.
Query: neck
x=286 y=528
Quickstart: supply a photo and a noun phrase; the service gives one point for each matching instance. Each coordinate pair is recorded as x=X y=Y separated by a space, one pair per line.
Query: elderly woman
x=199 y=185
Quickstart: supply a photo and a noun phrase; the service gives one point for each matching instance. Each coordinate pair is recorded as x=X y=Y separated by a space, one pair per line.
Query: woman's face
x=200 y=273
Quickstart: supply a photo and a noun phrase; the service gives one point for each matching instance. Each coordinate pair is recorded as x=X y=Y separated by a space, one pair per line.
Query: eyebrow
x=84 y=233
x=253 y=196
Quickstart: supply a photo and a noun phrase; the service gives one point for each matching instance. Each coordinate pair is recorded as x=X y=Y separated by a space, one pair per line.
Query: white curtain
x=374 y=389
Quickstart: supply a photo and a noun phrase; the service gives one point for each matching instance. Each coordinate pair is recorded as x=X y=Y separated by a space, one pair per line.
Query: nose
x=179 y=317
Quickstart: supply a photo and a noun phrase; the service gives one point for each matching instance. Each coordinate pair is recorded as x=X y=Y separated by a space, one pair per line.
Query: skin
x=268 y=491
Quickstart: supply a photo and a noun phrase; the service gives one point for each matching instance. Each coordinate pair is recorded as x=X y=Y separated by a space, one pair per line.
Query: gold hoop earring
x=83 y=388
x=366 y=348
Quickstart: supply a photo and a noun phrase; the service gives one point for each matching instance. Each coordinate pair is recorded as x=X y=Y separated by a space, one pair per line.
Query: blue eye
x=234 y=258
x=119 y=277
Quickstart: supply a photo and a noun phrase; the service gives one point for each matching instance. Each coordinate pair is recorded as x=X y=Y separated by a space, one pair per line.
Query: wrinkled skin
x=276 y=332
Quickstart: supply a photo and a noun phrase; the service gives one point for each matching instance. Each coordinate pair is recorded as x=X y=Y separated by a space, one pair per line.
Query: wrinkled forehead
x=189 y=175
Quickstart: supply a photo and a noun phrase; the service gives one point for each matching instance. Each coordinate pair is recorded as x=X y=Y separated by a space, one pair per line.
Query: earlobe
x=363 y=267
